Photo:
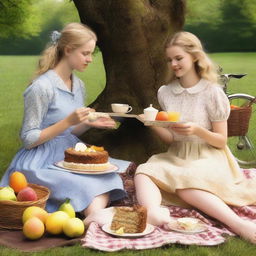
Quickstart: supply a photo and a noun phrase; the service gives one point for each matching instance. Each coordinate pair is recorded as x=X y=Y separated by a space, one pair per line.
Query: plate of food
x=187 y=225
x=90 y=169
x=128 y=222
x=120 y=232
x=86 y=159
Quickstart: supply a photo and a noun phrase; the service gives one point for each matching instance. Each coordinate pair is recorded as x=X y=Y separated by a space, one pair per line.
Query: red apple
x=27 y=194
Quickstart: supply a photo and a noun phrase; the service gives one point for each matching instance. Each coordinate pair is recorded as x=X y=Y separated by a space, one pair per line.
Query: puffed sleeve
x=37 y=98
x=218 y=104
x=160 y=96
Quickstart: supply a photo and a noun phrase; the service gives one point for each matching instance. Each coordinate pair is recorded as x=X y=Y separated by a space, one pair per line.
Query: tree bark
x=131 y=36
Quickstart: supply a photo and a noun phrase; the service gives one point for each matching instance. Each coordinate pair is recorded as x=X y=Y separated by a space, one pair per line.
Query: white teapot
x=150 y=113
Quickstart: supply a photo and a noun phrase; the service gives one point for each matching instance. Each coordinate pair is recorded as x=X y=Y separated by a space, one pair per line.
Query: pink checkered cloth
x=96 y=238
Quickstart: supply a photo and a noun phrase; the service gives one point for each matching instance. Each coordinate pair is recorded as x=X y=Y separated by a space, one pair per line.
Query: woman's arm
x=78 y=116
x=164 y=134
x=217 y=137
x=100 y=123
x=37 y=99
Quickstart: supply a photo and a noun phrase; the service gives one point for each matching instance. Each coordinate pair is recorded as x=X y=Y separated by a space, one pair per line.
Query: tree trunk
x=131 y=35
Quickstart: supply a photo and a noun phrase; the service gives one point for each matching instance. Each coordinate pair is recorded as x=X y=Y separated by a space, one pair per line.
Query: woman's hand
x=78 y=116
x=102 y=123
x=217 y=137
x=188 y=128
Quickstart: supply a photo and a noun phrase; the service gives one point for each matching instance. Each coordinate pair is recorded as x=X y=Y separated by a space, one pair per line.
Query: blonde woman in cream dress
x=198 y=170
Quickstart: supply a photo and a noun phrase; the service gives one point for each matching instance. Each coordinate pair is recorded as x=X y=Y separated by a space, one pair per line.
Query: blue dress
x=47 y=101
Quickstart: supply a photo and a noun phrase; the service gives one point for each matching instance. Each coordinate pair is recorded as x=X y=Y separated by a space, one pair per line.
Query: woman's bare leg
x=215 y=207
x=148 y=195
x=98 y=203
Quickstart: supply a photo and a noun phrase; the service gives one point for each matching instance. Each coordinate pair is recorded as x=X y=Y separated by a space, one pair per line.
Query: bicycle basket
x=238 y=121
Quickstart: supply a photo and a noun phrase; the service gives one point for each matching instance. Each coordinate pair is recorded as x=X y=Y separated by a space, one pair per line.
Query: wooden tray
x=146 y=123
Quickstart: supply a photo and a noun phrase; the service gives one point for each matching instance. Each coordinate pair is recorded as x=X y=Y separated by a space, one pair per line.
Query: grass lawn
x=16 y=71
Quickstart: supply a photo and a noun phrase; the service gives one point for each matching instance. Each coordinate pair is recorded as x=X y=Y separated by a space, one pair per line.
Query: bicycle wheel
x=244 y=147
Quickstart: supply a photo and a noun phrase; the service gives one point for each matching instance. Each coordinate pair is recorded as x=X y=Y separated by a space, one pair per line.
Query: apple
x=7 y=193
x=33 y=228
x=27 y=194
x=73 y=227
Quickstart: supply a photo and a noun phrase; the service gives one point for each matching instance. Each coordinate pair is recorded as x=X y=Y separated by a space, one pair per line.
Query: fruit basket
x=238 y=121
x=11 y=211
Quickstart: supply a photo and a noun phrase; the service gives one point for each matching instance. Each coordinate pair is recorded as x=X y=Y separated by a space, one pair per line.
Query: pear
x=68 y=208
x=7 y=193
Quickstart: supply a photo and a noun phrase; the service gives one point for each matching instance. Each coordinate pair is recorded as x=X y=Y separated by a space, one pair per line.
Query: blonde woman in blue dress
x=54 y=115
x=198 y=170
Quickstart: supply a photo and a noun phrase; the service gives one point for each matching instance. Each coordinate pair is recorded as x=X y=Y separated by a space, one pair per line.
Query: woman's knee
x=183 y=192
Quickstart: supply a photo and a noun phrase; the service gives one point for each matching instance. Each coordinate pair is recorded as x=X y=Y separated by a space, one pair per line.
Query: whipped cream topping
x=80 y=147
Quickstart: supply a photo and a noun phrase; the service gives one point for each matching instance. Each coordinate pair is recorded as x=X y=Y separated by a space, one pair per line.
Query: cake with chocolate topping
x=82 y=157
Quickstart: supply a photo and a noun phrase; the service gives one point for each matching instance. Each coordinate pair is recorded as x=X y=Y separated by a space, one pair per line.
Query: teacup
x=121 y=108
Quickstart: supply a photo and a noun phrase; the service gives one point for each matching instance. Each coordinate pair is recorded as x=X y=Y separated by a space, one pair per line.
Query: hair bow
x=55 y=36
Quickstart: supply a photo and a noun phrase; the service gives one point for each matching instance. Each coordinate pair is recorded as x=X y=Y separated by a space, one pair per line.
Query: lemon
x=55 y=221
x=120 y=231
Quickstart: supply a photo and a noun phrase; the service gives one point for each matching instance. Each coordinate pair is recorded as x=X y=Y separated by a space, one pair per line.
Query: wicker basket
x=238 y=121
x=11 y=211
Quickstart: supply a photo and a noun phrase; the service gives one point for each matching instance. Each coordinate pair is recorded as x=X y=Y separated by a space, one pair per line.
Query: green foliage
x=199 y=13
x=224 y=25
x=17 y=18
x=51 y=15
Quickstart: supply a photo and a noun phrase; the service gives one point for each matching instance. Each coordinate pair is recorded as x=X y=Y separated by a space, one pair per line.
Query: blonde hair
x=205 y=68
x=73 y=36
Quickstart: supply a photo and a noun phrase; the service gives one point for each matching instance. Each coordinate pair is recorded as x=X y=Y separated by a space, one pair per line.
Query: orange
x=97 y=148
x=18 y=181
x=173 y=116
x=162 y=116
x=234 y=107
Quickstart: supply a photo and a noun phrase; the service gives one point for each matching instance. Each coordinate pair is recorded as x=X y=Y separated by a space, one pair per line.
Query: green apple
x=73 y=227
x=7 y=193
x=68 y=208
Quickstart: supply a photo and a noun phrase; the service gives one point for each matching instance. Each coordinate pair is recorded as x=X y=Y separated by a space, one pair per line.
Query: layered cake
x=129 y=219
x=82 y=157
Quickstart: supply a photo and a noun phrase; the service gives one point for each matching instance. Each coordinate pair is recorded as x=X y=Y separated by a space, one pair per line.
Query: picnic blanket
x=16 y=240
x=97 y=239
x=215 y=234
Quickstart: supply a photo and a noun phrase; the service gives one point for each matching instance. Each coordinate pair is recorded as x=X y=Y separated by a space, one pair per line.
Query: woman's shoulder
x=41 y=84
x=213 y=88
x=166 y=87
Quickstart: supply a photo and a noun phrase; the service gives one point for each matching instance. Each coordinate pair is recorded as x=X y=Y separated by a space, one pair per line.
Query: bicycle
x=241 y=123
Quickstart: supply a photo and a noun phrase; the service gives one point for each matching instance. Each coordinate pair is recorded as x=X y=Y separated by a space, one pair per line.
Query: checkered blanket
x=96 y=238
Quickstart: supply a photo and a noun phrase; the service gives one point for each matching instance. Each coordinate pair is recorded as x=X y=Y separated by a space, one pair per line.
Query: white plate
x=111 y=168
x=149 y=229
x=201 y=227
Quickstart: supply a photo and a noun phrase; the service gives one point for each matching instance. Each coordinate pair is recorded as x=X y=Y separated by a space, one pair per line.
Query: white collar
x=178 y=89
x=60 y=83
